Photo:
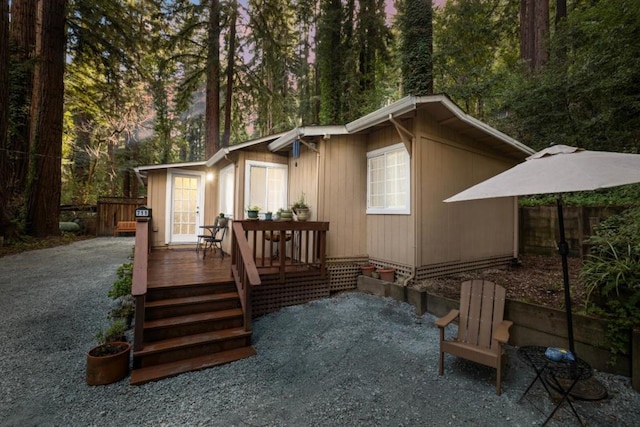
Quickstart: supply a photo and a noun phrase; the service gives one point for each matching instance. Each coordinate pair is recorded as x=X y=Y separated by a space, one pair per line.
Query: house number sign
x=143 y=212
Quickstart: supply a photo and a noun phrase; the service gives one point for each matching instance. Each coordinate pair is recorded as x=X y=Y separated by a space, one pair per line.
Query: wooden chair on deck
x=481 y=328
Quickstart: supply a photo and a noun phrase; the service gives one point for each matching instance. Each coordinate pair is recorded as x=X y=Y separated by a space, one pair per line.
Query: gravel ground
x=353 y=359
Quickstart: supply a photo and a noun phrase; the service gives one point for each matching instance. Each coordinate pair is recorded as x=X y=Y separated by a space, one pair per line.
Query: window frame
x=267 y=165
x=382 y=153
x=226 y=171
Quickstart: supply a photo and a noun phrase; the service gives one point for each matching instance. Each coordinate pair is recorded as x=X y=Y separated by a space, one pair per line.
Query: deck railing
x=244 y=271
x=139 y=280
x=282 y=249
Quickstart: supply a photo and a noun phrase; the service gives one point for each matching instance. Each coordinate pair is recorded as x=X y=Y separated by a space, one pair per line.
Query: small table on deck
x=552 y=374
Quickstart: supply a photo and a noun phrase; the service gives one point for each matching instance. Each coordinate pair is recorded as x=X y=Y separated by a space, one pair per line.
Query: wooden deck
x=183 y=266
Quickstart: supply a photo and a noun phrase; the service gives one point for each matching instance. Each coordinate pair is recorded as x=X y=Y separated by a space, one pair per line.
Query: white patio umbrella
x=559 y=169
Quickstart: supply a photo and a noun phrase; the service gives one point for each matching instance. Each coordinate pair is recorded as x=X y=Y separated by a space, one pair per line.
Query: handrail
x=244 y=270
x=284 y=249
x=139 y=280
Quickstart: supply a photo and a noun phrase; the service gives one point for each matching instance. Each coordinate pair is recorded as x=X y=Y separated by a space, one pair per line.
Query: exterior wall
x=390 y=238
x=156 y=200
x=463 y=231
x=342 y=189
x=303 y=179
x=240 y=160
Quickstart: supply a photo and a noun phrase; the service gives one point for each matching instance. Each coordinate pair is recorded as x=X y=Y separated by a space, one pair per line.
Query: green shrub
x=122 y=286
x=611 y=275
x=115 y=332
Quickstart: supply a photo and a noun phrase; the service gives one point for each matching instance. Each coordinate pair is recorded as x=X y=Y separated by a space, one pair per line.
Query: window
x=388 y=181
x=266 y=186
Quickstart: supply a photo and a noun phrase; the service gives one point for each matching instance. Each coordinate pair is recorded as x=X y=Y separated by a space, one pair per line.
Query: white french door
x=184 y=204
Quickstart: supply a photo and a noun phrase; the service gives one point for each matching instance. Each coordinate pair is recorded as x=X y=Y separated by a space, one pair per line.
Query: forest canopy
x=163 y=81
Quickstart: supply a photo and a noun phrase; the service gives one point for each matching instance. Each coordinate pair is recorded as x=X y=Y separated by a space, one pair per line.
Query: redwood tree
x=44 y=179
x=212 y=109
x=4 y=101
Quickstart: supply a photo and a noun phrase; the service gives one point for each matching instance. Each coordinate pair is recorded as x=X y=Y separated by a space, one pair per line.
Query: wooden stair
x=188 y=328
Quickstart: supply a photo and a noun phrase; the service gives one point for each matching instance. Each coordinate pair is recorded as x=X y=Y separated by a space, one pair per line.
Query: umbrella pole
x=563 y=249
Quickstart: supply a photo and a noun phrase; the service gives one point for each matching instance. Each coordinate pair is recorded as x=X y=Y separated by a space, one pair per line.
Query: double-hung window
x=388 y=180
x=266 y=185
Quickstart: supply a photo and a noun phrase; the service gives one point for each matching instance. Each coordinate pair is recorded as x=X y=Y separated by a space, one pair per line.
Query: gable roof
x=439 y=107
x=442 y=109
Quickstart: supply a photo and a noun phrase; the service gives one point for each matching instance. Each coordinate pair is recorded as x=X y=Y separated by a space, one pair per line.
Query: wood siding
x=390 y=237
x=466 y=230
x=342 y=189
x=303 y=179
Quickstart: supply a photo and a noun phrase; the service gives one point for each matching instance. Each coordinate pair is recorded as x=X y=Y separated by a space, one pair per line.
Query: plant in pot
x=301 y=209
x=388 y=274
x=222 y=220
x=252 y=212
x=285 y=214
x=268 y=216
x=367 y=269
x=108 y=362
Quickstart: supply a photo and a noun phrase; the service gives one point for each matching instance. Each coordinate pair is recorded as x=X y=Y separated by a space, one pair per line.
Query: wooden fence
x=539 y=227
x=113 y=209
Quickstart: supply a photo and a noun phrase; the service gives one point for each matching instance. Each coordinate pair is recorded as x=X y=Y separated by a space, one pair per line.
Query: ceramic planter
x=302 y=214
x=108 y=368
x=252 y=214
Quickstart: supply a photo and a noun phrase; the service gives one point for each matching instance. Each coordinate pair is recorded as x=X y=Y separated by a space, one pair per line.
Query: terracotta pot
x=387 y=274
x=109 y=368
x=367 y=270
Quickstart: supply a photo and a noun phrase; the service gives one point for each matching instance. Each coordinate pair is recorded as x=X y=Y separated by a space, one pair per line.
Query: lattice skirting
x=343 y=272
x=272 y=297
x=401 y=269
x=445 y=269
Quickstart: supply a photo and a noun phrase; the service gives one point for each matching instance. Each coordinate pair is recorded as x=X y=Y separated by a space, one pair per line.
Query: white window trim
x=247 y=179
x=390 y=211
x=227 y=170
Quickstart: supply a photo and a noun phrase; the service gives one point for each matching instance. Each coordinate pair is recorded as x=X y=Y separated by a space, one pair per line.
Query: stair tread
x=152 y=373
x=193 y=318
x=192 y=300
x=191 y=340
x=195 y=283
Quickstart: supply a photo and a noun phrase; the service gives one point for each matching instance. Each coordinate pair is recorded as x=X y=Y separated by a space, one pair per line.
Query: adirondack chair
x=481 y=328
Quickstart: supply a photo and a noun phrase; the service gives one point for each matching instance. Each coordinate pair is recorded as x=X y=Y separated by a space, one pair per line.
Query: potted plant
x=367 y=269
x=252 y=212
x=388 y=274
x=268 y=216
x=285 y=214
x=222 y=220
x=108 y=362
x=301 y=209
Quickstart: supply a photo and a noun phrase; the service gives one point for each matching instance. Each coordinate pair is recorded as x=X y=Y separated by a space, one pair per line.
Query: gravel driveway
x=353 y=359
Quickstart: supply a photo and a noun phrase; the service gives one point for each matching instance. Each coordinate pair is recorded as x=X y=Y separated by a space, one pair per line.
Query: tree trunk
x=22 y=34
x=44 y=180
x=231 y=55
x=561 y=10
x=534 y=32
x=4 y=116
x=212 y=111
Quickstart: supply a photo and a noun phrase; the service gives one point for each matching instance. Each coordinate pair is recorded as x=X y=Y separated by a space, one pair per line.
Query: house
x=375 y=187
x=379 y=181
